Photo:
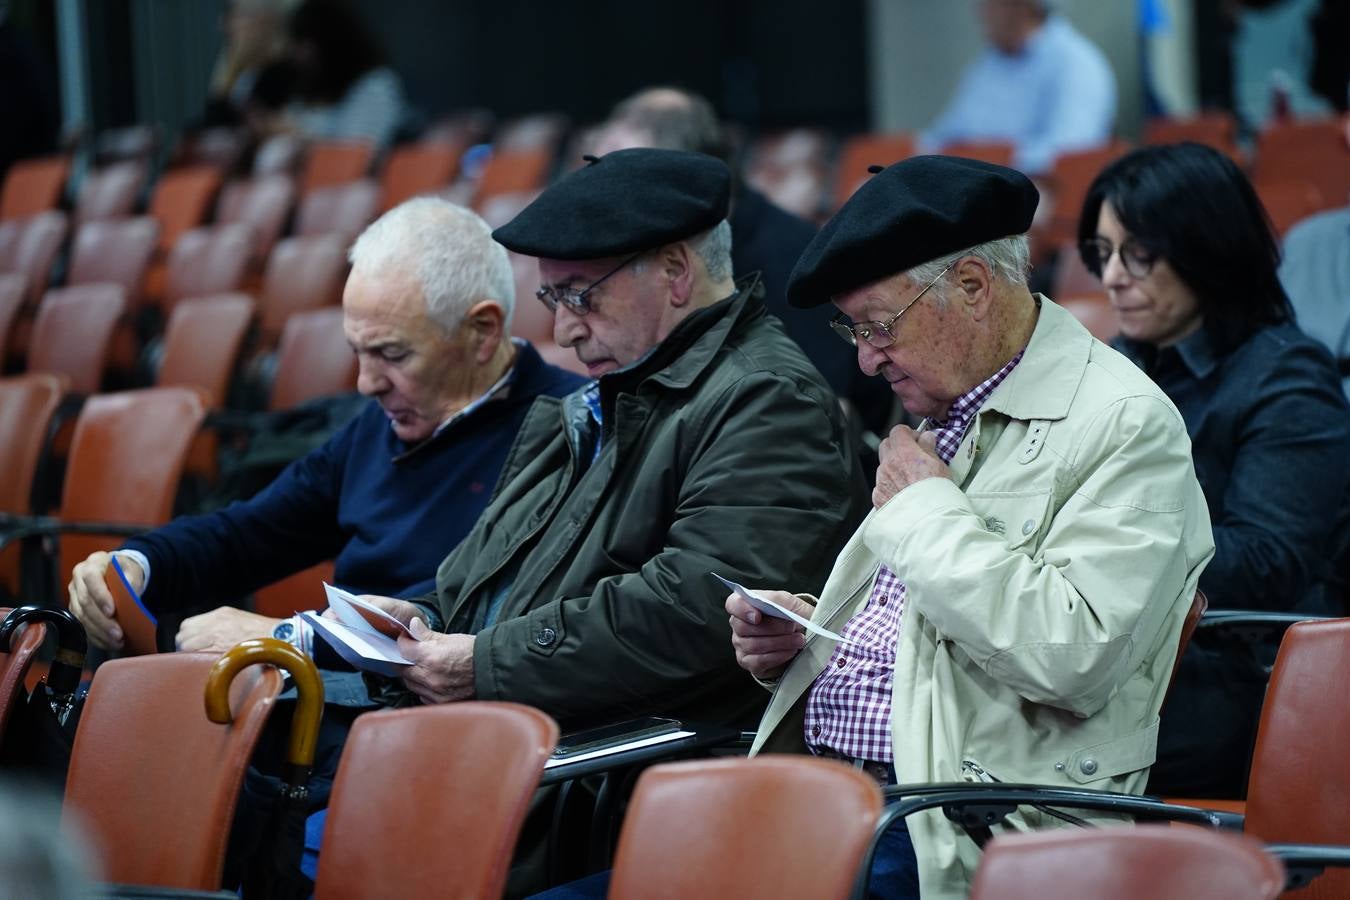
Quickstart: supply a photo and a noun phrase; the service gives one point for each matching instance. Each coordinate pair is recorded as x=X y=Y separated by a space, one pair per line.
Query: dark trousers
x=1208 y=725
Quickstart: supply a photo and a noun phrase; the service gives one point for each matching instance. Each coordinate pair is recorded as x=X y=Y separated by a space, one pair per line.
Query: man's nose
x=370 y=378
x=870 y=359
x=569 y=329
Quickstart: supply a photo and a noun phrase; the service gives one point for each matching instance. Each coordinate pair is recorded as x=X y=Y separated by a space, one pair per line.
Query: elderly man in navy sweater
x=427 y=310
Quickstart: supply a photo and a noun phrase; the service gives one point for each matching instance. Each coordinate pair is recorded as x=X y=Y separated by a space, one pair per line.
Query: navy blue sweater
x=386 y=514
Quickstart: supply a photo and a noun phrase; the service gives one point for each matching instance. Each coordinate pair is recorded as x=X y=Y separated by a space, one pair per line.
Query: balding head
x=666 y=118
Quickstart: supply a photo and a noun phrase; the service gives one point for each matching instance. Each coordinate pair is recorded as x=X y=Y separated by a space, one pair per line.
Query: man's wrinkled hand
x=906 y=459
x=764 y=645
x=442 y=670
x=91 y=603
x=222 y=628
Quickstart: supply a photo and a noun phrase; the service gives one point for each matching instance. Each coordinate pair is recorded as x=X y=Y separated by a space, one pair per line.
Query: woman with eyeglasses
x=1188 y=259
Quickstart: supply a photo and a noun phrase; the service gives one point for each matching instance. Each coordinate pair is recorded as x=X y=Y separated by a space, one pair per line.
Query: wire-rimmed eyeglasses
x=573 y=299
x=879 y=334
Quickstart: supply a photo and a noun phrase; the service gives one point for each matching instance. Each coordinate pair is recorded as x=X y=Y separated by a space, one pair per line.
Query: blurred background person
x=344 y=89
x=1274 y=52
x=1187 y=257
x=255 y=38
x=40 y=859
x=1040 y=85
x=765 y=238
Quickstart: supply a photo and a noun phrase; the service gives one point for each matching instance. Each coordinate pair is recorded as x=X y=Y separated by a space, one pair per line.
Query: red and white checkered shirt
x=848 y=710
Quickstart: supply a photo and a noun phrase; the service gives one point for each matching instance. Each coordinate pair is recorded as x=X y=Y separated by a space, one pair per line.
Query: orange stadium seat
x=1147 y=863
x=1215 y=128
x=182 y=200
x=329 y=163
x=206 y=261
x=33 y=186
x=294 y=593
x=153 y=783
x=126 y=459
x=513 y=171
x=1292 y=796
x=415 y=169
x=390 y=815
x=860 y=152
x=303 y=273
x=110 y=192
x=1289 y=202
x=114 y=252
x=202 y=343
x=1309 y=150
x=1072 y=176
x=313 y=359
x=264 y=203
x=72 y=334
x=29 y=247
x=27 y=404
x=1000 y=153
x=343 y=209
x=13 y=292
x=670 y=846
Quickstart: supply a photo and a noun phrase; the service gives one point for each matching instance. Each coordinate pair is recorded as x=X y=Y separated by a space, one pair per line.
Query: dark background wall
x=759 y=61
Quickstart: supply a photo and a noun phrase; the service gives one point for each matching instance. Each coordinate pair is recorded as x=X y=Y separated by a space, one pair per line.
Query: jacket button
x=1059 y=767
x=1089 y=766
x=1028 y=526
x=546 y=637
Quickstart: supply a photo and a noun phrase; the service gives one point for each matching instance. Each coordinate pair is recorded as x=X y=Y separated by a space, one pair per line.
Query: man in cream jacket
x=1013 y=603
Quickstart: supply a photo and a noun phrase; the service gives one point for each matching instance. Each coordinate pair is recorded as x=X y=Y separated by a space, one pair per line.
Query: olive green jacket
x=1047 y=582
x=587 y=583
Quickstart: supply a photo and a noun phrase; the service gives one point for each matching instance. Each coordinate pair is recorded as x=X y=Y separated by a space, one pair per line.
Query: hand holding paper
x=363 y=634
x=769 y=608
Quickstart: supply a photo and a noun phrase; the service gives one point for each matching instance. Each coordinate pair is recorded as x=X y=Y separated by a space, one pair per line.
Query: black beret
x=915 y=211
x=623 y=202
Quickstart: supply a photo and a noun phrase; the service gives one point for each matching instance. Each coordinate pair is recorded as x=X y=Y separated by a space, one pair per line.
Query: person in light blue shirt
x=1040 y=84
x=1316 y=273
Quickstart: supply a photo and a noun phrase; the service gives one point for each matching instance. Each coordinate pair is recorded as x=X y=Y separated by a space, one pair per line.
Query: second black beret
x=917 y=210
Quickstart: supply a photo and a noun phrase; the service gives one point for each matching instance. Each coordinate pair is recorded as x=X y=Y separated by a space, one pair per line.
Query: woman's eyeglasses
x=1137 y=259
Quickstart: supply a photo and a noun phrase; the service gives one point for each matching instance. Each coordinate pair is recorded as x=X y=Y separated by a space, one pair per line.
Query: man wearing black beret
x=707 y=443
x=1013 y=603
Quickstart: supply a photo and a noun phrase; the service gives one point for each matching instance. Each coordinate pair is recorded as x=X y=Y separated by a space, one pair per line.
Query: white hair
x=714 y=248
x=1008 y=258
x=449 y=249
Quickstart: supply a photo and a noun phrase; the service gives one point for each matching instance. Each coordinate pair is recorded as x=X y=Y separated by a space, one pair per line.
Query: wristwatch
x=294 y=632
x=285 y=631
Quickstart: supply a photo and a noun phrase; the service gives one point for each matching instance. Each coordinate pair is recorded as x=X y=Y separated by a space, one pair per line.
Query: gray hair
x=450 y=250
x=1008 y=258
x=714 y=248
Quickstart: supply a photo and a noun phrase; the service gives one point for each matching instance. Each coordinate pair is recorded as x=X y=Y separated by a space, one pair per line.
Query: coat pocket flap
x=1113 y=758
x=1019 y=518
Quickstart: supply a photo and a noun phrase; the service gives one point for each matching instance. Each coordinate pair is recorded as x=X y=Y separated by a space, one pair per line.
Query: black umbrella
x=274 y=871
x=42 y=731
